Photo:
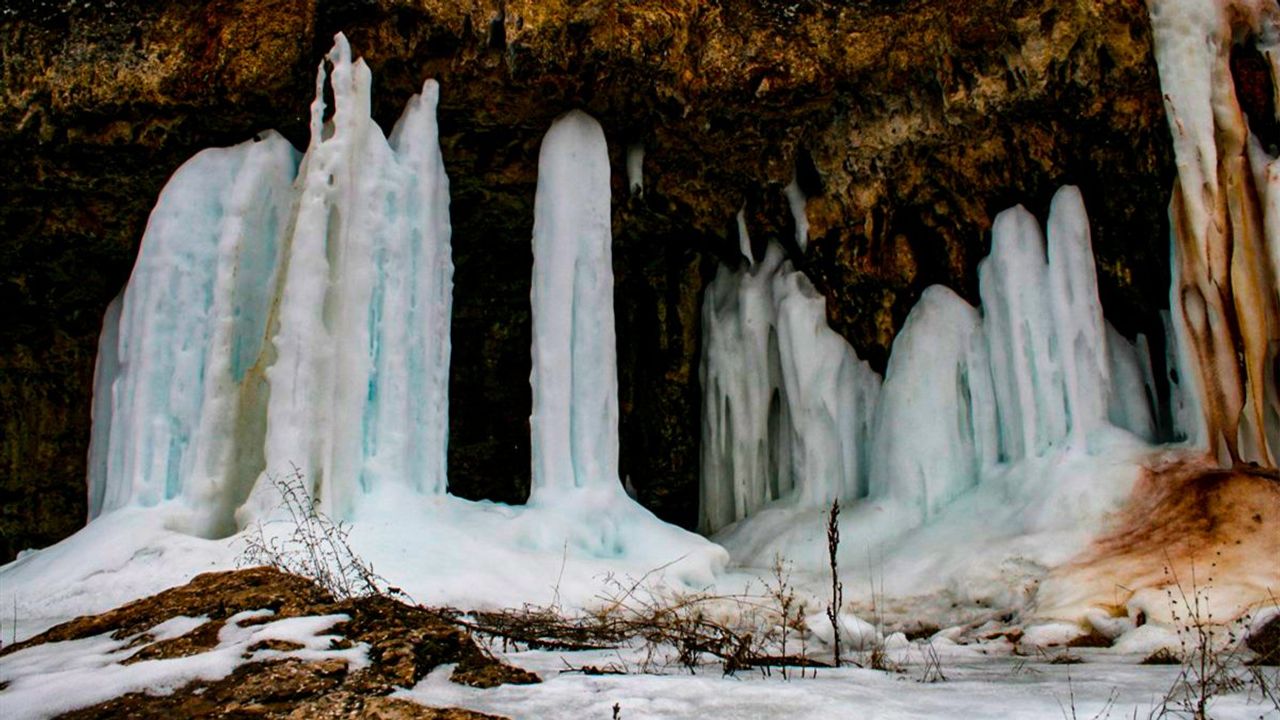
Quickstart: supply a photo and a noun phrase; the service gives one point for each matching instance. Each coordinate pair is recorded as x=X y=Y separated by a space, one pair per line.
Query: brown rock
x=404 y=644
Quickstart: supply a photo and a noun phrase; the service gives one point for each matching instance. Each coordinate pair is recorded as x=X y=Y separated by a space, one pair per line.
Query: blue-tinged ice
x=935 y=433
x=194 y=293
x=574 y=379
x=787 y=405
x=284 y=316
x=359 y=384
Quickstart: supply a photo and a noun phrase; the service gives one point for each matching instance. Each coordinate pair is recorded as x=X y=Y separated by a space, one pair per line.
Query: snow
x=977 y=687
x=53 y=678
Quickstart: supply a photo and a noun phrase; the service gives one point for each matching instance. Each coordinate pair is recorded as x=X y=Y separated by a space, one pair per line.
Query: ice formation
x=271 y=321
x=786 y=403
x=792 y=418
x=291 y=310
x=1225 y=215
x=575 y=379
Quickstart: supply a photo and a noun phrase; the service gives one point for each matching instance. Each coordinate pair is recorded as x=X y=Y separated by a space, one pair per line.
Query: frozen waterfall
x=273 y=321
x=1225 y=218
x=791 y=416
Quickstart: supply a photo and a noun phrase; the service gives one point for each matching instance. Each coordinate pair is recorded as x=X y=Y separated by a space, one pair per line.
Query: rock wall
x=910 y=123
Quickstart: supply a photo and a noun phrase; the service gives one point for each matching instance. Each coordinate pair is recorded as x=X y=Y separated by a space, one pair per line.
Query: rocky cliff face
x=909 y=123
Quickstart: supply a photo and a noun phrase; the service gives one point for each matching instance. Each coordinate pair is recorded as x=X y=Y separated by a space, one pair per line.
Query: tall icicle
x=574 y=378
x=106 y=369
x=1226 y=223
x=1077 y=315
x=1018 y=322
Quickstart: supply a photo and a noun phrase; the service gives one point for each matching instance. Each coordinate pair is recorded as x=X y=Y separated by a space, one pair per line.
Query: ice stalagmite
x=1225 y=220
x=575 y=382
x=1077 y=315
x=935 y=432
x=1018 y=322
x=358 y=387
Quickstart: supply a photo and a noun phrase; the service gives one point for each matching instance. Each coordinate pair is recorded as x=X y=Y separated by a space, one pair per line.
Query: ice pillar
x=574 y=379
x=360 y=379
x=1225 y=219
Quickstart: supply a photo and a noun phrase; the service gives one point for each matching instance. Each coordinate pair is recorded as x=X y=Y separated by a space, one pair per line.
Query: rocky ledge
x=394 y=644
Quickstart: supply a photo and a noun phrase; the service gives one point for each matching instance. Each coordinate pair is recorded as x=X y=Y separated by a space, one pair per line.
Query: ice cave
x=289 y=314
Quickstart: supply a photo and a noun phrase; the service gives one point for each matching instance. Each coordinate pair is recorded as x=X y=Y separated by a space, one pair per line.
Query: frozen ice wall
x=281 y=315
x=791 y=417
x=188 y=330
x=359 y=384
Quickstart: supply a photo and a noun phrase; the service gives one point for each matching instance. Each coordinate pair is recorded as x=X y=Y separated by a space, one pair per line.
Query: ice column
x=1225 y=218
x=574 y=378
x=1046 y=338
x=787 y=405
x=358 y=387
x=1077 y=315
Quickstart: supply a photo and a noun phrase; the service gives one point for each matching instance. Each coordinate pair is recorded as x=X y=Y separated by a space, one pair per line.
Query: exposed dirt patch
x=1189 y=526
x=404 y=643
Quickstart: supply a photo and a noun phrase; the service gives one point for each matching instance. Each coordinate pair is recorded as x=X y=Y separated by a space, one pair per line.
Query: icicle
x=787 y=405
x=574 y=379
x=635 y=169
x=1133 y=389
x=1019 y=328
x=796 y=200
x=106 y=369
x=1077 y=315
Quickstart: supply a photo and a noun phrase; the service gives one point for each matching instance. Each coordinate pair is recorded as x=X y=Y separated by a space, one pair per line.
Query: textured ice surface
x=987 y=455
x=271 y=323
x=190 y=325
x=358 y=387
x=936 y=427
x=787 y=405
x=575 y=379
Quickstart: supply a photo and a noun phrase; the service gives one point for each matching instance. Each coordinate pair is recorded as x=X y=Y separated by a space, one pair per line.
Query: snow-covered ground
x=999 y=687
